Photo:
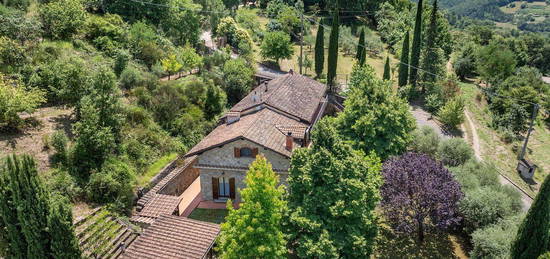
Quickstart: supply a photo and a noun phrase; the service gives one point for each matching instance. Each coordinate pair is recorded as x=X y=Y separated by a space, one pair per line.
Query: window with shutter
x=254 y=152
x=237 y=152
x=246 y=152
x=232 y=188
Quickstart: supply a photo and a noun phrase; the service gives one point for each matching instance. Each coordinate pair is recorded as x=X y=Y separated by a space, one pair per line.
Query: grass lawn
x=152 y=170
x=209 y=215
x=502 y=154
x=440 y=245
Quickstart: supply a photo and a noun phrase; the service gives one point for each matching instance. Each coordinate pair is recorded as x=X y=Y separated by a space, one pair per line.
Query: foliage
x=393 y=23
x=485 y=206
x=122 y=57
x=12 y=55
x=64 y=243
x=276 y=45
x=238 y=79
x=333 y=192
x=114 y=183
x=145 y=44
x=465 y=63
x=237 y=37
x=60 y=142
x=189 y=58
x=333 y=49
x=533 y=236
x=15 y=98
x=495 y=63
x=473 y=175
x=289 y=19
x=154 y=13
x=171 y=64
x=215 y=102
x=361 y=53
x=62 y=19
x=20 y=27
x=419 y=194
x=403 y=67
x=346 y=40
x=386 y=129
x=454 y=151
x=107 y=33
x=452 y=113
x=60 y=182
x=494 y=241
x=387 y=70
x=425 y=141
x=320 y=51
x=255 y=230
x=416 y=45
x=182 y=22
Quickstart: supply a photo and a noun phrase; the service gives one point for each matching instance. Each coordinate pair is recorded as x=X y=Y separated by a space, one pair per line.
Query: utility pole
x=533 y=117
x=302 y=43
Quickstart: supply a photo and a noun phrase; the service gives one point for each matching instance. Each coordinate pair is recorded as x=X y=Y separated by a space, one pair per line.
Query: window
x=224 y=188
x=246 y=152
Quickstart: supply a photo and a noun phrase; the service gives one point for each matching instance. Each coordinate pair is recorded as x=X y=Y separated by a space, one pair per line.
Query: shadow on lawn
x=392 y=245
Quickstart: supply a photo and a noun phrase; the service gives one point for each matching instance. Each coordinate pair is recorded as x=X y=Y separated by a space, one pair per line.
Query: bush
x=433 y=103
x=61 y=182
x=452 y=113
x=62 y=18
x=114 y=183
x=454 y=152
x=544 y=256
x=485 y=206
x=59 y=142
x=130 y=77
x=474 y=174
x=425 y=140
x=121 y=61
x=495 y=241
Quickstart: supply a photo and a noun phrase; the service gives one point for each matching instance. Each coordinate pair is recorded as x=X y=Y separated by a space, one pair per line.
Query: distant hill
x=478 y=9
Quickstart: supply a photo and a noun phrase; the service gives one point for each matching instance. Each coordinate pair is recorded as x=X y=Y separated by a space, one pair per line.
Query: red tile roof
x=174 y=237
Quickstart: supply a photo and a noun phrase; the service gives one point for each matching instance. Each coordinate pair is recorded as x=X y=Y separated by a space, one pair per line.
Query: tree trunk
x=420 y=231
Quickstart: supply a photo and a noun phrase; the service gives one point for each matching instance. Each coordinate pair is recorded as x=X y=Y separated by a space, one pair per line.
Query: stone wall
x=180 y=182
x=225 y=156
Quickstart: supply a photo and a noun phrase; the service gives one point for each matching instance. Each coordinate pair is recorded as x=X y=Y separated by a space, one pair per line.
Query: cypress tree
x=416 y=46
x=403 y=66
x=361 y=52
x=320 y=50
x=533 y=237
x=60 y=224
x=32 y=204
x=432 y=60
x=16 y=246
x=387 y=69
x=333 y=49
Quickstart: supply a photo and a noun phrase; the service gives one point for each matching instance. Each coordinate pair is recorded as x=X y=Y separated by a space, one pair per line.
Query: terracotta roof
x=174 y=237
x=293 y=94
x=259 y=127
x=160 y=204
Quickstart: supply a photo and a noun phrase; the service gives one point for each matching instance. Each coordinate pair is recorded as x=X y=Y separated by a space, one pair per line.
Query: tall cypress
x=333 y=49
x=32 y=204
x=533 y=237
x=11 y=231
x=387 y=69
x=361 y=52
x=320 y=50
x=431 y=60
x=60 y=223
x=403 y=65
x=416 y=46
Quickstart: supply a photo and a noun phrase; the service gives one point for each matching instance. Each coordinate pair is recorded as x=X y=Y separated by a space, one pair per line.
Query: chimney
x=289 y=141
x=232 y=117
x=291 y=72
x=254 y=97
x=265 y=83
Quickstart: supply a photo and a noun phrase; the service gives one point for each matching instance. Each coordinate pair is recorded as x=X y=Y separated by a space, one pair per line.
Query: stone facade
x=224 y=156
x=181 y=181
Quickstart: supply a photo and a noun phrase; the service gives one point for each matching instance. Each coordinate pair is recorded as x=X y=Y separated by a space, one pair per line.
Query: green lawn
x=502 y=154
x=209 y=215
x=144 y=178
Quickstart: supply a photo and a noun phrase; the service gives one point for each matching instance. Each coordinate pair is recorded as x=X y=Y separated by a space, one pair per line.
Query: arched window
x=246 y=152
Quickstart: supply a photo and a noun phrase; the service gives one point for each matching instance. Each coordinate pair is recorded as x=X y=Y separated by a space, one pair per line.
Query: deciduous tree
x=255 y=229
x=375 y=118
x=419 y=194
x=333 y=192
x=14 y=98
x=62 y=19
x=171 y=65
x=238 y=79
x=276 y=45
x=533 y=237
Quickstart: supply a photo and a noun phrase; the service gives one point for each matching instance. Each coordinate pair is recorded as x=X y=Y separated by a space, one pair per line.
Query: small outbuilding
x=174 y=237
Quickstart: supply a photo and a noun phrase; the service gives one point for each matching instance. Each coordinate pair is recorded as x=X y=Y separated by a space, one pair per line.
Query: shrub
x=61 y=182
x=63 y=18
x=495 y=241
x=121 y=61
x=452 y=113
x=114 y=183
x=59 y=142
x=130 y=77
x=454 y=152
x=544 y=256
x=433 y=103
x=485 y=206
x=474 y=174
x=425 y=140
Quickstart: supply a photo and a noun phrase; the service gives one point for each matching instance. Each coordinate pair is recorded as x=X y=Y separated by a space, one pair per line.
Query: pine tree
x=320 y=50
x=254 y=230
x=60 y=224
x=533 y=237
x=403 y=66
x=432 y=61
x=387 y=69
x=361 y=52
x=32 y=204
x=11 y=232
x=416 y=46
x=333 y=49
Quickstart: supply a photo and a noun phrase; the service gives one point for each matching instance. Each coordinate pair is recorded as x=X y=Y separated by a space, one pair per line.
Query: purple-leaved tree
x=419 y=194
